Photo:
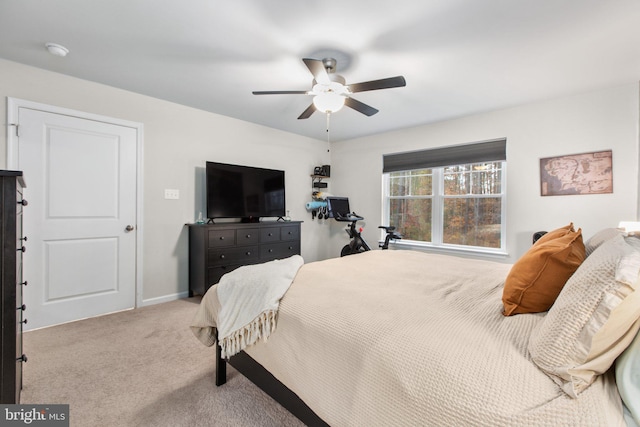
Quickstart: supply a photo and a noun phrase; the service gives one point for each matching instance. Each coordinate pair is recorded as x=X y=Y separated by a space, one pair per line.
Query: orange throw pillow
x=536 y=279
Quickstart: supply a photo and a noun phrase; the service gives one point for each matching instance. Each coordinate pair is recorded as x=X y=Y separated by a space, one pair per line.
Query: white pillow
x=599 y=238
x=593 y=320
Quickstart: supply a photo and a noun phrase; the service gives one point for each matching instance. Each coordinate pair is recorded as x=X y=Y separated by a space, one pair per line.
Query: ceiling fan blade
x=365 y=109
x=387 y=83
x=316 y=67
x=280 y=92
x=308 y=112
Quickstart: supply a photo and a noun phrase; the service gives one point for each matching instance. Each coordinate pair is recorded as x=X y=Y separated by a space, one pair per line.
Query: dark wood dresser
x=13 y=245
x=216 y=249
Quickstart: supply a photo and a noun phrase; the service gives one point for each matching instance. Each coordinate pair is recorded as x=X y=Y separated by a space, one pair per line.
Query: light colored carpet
x=141 y=367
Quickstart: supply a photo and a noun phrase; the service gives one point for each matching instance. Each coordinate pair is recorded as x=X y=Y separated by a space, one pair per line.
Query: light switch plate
x=171 y=194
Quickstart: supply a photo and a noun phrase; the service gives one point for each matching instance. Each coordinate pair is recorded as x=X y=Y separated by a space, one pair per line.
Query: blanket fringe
x=260 y=327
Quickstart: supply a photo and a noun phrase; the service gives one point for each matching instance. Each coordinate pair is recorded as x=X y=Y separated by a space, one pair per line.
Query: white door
x=81 y=218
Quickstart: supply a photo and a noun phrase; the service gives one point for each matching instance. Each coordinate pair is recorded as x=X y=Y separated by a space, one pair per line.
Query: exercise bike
x=338 y=209
x=358 y=244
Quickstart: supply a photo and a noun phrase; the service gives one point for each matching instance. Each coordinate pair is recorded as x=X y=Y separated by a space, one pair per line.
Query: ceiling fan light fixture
x=329 y=102
x=330 y=91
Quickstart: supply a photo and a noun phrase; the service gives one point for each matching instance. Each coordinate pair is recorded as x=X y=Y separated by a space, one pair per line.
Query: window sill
x=450 y=250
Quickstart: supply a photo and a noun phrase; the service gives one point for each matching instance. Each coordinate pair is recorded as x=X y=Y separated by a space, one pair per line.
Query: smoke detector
x=56 y=49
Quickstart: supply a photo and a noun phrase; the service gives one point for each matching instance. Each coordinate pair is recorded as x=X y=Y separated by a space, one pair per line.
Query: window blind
x=486 y=151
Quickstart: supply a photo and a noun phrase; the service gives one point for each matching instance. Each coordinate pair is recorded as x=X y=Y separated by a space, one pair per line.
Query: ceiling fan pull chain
x=328 y=133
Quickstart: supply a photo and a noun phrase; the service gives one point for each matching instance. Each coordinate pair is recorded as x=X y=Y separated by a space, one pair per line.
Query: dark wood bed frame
x=258 y=375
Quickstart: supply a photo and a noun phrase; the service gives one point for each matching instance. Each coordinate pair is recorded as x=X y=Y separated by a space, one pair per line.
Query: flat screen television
x=245 y=192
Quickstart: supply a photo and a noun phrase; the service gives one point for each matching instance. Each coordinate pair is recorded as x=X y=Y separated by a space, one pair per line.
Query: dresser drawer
x=218 y=238
x=271 y=234
x=290 y=233
x=250 y=236
x=215 y=273
x=279 y=250
x=240 y=254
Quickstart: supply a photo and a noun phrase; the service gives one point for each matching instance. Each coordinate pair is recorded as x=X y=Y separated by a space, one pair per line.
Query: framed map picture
x=587 y=173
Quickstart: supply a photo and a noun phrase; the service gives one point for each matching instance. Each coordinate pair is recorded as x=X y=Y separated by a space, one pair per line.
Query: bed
x=407 y=338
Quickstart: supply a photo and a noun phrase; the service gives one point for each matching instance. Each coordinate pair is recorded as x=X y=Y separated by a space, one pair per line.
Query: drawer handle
x=24 y=238
x=270 y=234
x=24 y=321
x=221 y=237
x=221 y=256
x=22 y=249
x=248 y=252
x=24 y=283
x=248 y=236
x=290 y=248
x=23 y=202
x=270 y=250
x=23 y=307
x=290 y=233
x=22 y=358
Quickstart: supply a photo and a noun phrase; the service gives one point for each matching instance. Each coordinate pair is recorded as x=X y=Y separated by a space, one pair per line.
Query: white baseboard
x=165 y=298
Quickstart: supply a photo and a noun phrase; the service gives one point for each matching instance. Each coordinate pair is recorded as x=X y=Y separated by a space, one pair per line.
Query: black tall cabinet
x=11 y=285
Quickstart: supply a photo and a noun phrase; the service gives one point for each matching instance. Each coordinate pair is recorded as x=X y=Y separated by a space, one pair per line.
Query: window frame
x=437 y=213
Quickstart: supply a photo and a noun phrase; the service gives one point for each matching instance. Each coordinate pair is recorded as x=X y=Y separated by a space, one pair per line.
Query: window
x=457 y=205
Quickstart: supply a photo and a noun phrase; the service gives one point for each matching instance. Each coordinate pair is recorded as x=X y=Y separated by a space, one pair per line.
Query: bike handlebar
x=352 y=217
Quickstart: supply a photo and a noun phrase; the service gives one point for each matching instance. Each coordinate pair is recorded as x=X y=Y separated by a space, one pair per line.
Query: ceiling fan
x=330 y=91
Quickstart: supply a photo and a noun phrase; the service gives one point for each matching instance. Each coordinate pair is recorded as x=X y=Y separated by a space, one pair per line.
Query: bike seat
x=387 y=228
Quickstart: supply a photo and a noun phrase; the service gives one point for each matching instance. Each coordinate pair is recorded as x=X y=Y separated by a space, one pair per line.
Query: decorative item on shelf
x=288 y=217
x=320 y=195
x=200 y=220
x=322 y=171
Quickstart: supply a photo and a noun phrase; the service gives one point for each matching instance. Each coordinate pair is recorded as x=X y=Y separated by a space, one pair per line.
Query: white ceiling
x=459 y=57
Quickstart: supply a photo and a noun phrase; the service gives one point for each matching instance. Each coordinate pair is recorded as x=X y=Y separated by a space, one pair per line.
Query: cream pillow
x=593 y=319
x=599 y=238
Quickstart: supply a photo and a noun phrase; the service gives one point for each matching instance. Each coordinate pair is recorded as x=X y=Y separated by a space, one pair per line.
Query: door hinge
x=17 y=126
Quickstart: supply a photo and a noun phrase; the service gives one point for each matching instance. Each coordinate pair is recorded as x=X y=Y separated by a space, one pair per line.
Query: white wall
x=601 y=120
x=178 y=140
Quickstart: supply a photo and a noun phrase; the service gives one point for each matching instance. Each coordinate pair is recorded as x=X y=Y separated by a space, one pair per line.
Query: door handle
x=129 y=228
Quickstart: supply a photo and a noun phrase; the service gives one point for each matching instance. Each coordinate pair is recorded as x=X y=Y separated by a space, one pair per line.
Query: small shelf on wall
x=317 y=206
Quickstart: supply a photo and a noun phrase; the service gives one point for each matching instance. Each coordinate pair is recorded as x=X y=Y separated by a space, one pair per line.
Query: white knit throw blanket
x=249 y=298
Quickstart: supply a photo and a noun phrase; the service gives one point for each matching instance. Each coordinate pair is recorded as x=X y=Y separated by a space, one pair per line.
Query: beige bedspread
x=403 y=338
